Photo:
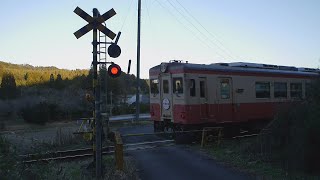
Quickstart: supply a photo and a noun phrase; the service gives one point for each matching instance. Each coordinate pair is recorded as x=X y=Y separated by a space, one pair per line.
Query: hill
x=27 y=75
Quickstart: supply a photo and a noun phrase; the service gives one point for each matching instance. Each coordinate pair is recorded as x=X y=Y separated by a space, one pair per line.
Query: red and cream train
x=185 y=95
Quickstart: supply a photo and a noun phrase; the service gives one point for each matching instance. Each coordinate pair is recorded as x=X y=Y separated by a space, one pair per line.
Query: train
x=245 y=95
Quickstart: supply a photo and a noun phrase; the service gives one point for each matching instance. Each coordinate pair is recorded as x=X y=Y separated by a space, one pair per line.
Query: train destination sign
x=94 y=23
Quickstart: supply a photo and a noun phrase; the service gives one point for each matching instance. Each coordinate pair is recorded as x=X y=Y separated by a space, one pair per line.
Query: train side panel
x=214 y=96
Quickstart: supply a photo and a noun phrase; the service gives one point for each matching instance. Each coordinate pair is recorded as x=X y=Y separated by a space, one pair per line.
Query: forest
x=42 y=94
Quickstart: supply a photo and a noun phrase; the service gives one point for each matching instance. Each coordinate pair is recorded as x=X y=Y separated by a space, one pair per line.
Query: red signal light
x=114 y=70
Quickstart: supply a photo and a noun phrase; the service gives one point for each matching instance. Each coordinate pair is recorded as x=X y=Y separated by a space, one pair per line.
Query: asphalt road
x=176 y=162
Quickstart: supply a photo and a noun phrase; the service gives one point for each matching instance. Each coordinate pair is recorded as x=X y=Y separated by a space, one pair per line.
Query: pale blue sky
x=284 y=32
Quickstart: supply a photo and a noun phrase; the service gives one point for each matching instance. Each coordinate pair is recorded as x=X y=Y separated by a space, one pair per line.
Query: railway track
x=61 y=155
x=88 y=152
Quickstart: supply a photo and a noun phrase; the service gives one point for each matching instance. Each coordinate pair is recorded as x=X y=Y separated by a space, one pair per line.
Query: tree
x=8 y=86
x=26 y=76
x=51 y=81
x=59 y=82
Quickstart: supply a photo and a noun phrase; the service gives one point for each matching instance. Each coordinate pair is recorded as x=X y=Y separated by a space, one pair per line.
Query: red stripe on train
x=219 y=113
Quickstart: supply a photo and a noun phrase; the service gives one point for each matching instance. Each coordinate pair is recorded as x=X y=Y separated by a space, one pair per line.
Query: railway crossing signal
x=94 y=22
x=114 y=70
x=114 y=50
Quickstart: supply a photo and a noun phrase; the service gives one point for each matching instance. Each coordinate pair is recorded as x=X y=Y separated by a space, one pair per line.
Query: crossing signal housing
x=114 y=50
x=114 y=70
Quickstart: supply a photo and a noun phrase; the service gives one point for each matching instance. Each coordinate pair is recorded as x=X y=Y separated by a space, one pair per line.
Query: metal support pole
x=138 y=64
x=111 y=105
x=96 y=90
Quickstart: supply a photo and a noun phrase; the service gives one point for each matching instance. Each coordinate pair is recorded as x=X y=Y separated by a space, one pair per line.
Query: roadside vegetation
x=288 y=148
x=12 y=167
x=31 y=96
x=45 y=94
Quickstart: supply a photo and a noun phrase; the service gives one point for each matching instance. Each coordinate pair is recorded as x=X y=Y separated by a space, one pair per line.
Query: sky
x=281 y=32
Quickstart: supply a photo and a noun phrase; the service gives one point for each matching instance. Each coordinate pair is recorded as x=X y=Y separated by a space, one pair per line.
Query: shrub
x=38 y=113
x=293 y=137
x=8 y=160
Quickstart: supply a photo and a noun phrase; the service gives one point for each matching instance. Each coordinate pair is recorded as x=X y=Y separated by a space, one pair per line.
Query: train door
x=166 y=98
x=203 y=98
x=225 y=99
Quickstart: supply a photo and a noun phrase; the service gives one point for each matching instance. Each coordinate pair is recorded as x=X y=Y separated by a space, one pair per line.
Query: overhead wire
x=195 y=27
x=149 y=18
x=129 y=8
x=147 y=9
x=192 y=32
x=226 y=50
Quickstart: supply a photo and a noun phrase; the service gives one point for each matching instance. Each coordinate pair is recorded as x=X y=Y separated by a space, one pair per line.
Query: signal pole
x=94 y=23
x=96 y=88
x=138 y=64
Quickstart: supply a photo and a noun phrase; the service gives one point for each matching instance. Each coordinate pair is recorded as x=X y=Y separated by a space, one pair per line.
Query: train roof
x=241 y=67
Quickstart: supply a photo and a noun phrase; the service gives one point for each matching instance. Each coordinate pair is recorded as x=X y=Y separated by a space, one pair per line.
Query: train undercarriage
x=229 y=129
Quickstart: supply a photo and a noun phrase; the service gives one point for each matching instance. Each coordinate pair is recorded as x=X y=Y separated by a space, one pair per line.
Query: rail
x=119 y=147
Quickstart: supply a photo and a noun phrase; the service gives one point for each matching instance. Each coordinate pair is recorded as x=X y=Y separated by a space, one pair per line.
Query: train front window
x=280 y=90
x=296 y=90
x=177 y=85
x=154 y=85
x=165 y=86
x=224 y=89
x=262 y=90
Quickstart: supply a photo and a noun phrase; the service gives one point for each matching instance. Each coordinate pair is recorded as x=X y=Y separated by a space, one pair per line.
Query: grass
x=232 y=153
x=235 y=153
x=12 y=168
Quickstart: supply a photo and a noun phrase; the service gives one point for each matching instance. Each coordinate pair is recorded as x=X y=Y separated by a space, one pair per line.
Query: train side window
x=154 y=85
x=296 y=90
x=224 y=89
x=177 y=85
x=308 y=89
x=262 y=90
x=280 y=90
x=165 y=86
x=202 y=89
x=192 y=87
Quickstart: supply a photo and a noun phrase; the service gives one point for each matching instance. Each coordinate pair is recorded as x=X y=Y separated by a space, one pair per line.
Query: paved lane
x=176 y=162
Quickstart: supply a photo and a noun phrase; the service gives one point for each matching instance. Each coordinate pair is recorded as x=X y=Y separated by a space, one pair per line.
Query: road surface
x=176 y=162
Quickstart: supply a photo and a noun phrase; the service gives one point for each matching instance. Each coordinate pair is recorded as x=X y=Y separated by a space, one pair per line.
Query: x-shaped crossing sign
x=94 y=22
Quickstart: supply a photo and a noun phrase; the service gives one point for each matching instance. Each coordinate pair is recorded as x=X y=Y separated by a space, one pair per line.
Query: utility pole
x=138 y=64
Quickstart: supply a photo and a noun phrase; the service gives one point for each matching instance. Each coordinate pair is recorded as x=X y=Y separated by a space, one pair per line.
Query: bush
x=123 y=109
x=293 y=137
x=8 y=160
x=38 y=114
